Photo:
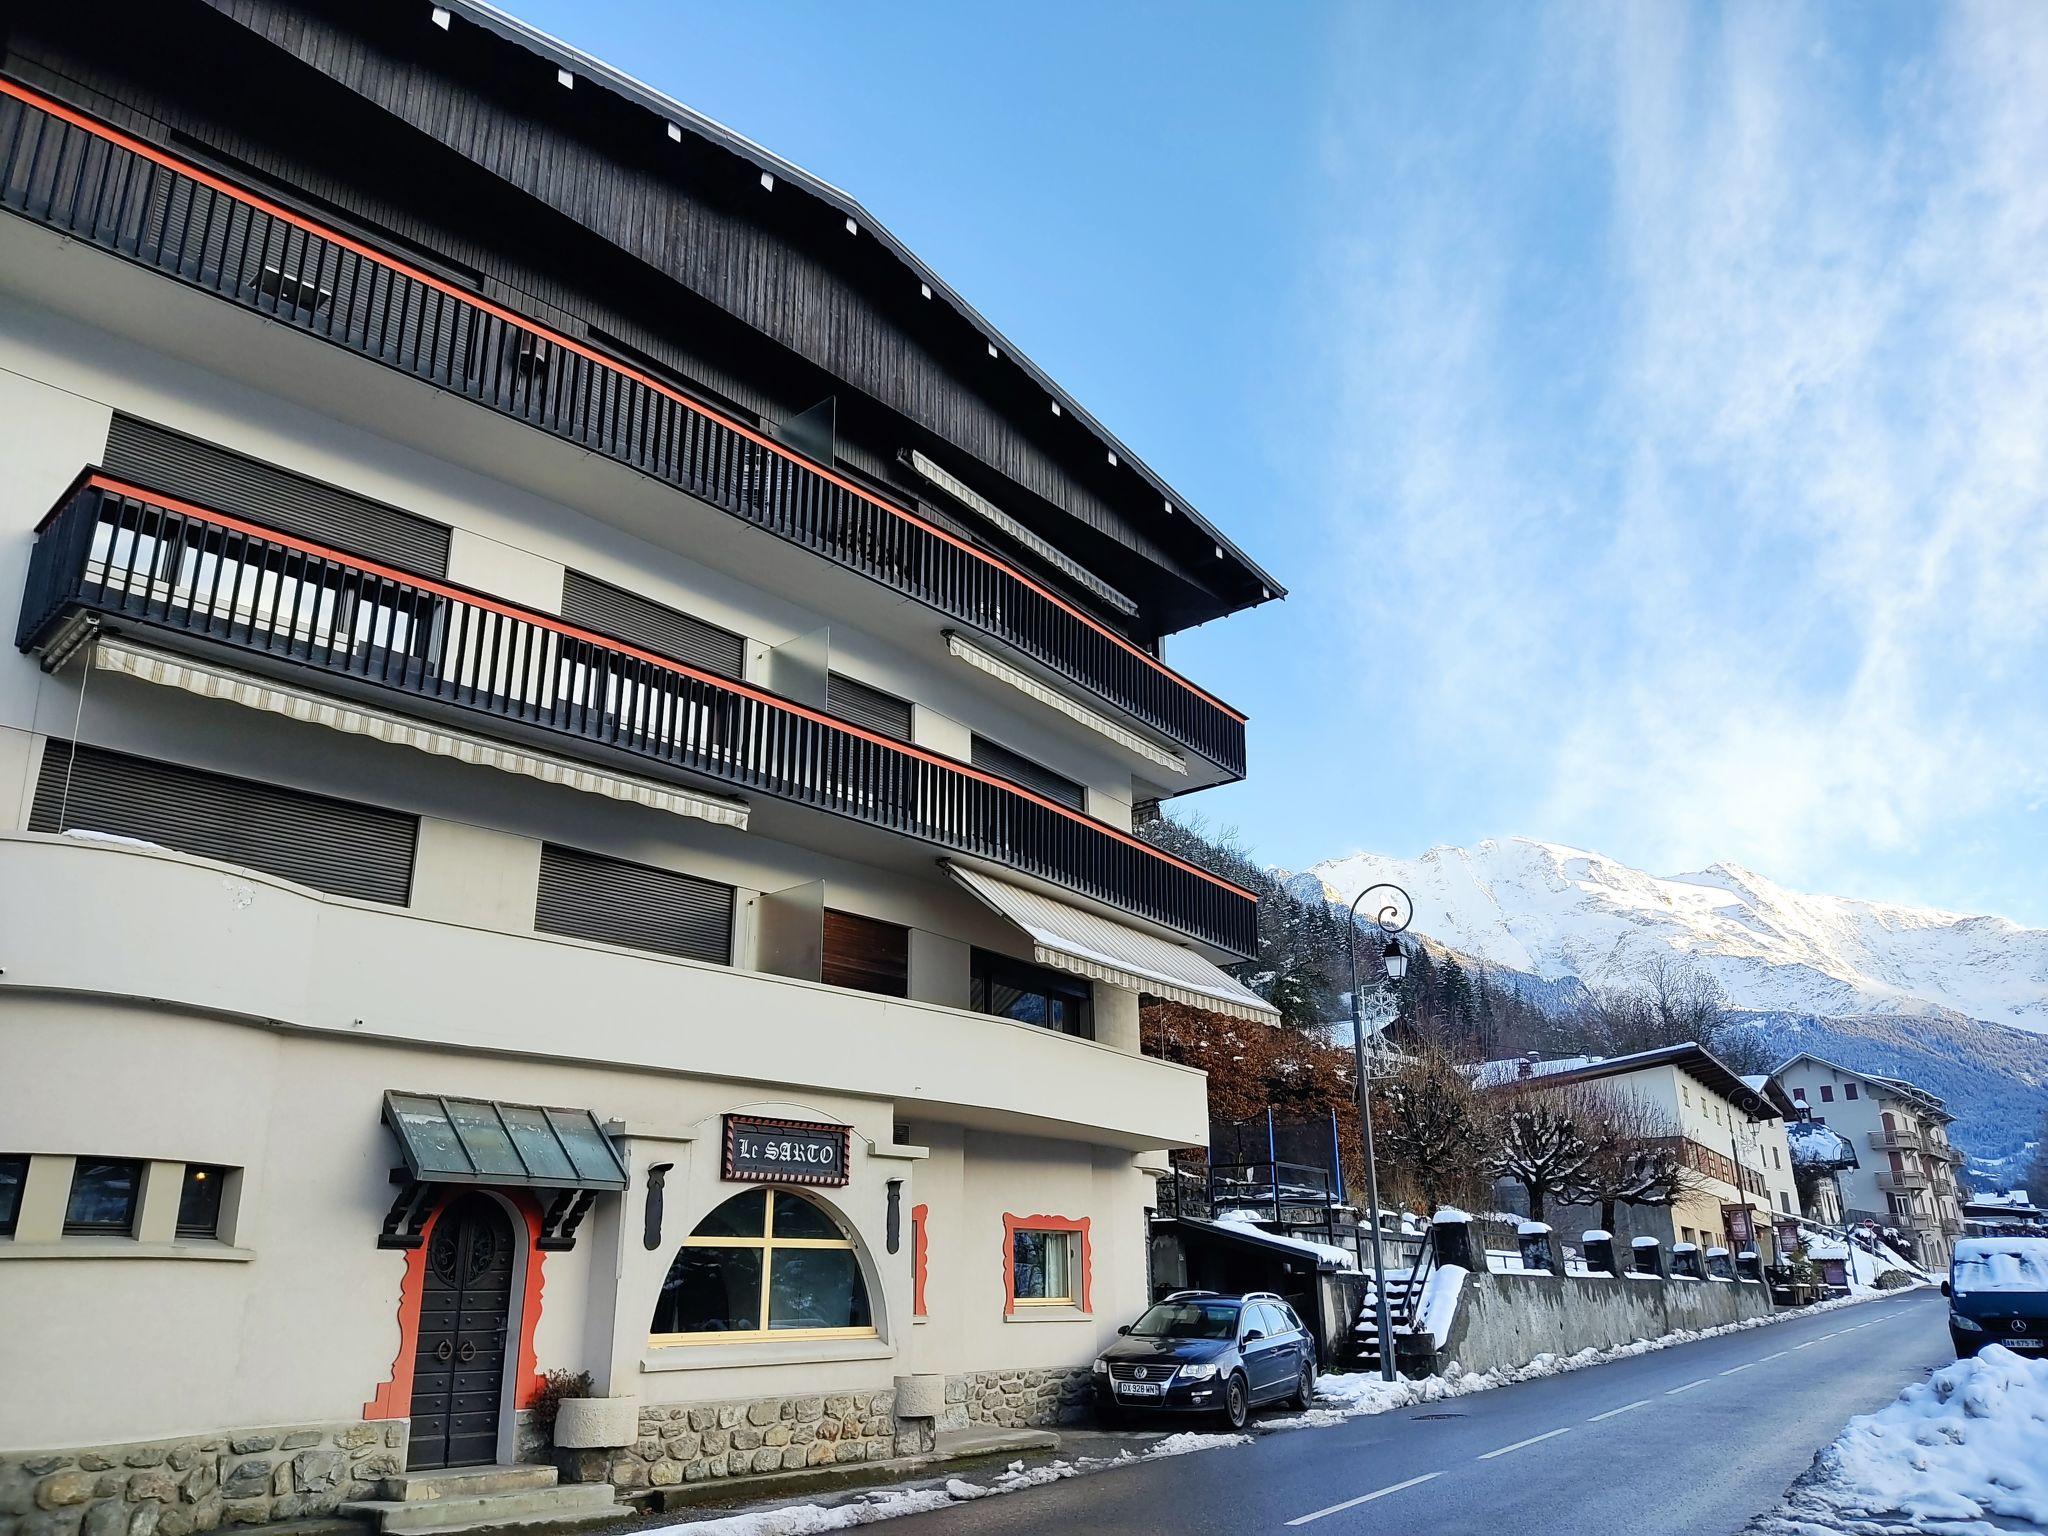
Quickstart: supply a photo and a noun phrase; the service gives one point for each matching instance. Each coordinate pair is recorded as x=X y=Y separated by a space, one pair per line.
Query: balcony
x=1894 y=1141
x=208 y=581
x=1904 y=1181
x=106 y=189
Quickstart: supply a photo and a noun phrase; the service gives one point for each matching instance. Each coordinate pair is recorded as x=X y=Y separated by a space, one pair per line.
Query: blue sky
x=1647 y=406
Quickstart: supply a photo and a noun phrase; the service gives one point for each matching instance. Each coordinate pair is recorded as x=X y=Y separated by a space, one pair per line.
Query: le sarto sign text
x=784 y=1151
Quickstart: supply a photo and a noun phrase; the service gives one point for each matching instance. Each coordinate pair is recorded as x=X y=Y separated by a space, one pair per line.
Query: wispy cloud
x=1713 y=497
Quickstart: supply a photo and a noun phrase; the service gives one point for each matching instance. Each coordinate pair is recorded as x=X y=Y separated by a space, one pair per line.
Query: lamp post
x=1392 y=915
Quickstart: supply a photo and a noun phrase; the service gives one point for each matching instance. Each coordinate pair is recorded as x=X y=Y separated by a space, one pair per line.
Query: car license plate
x=2022 y=1343
x=1141 y=1388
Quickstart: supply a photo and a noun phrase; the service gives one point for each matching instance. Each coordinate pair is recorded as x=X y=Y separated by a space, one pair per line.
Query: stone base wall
x=1015 y=1399
x=196 y=1482
x=701 y=1441
x=1509 y=1319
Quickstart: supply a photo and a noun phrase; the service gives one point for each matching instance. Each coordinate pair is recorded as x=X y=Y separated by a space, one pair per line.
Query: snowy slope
x=1557 y=912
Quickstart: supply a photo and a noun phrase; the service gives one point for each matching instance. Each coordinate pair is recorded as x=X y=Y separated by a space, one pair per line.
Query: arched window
x=767 y=1264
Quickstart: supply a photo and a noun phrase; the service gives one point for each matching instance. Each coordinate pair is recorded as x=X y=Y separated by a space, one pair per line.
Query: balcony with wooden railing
x=164 y=567
x=97 y=185
x=1899 y=1139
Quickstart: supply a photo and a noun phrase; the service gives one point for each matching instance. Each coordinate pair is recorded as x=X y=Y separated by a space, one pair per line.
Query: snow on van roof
x=2002 y=1264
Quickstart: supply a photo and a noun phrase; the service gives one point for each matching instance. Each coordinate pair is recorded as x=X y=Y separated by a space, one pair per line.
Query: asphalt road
x=1688 y=1441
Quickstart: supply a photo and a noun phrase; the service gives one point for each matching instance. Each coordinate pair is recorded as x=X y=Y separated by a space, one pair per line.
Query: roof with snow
x=1691 y=1058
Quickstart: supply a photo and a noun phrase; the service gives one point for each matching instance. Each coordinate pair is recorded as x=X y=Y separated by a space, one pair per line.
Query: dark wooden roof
x=670 y=189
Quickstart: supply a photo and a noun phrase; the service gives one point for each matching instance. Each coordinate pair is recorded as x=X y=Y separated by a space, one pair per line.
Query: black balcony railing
x=62 y=169
x=158 y=564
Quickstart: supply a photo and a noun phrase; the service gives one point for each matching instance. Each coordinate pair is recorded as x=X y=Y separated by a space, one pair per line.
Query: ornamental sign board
x=784 y=1151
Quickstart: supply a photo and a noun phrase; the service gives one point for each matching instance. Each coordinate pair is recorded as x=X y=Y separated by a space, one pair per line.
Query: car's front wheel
x=1237 y=1401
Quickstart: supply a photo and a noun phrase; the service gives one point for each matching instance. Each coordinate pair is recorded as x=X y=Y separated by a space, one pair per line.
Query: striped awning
x=211 y=680
x=1069 y=939
x=984 y=660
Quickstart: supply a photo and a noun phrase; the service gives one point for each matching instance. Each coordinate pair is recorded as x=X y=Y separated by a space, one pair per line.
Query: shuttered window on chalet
x=882 y=713
x=587 y=896
x=159 y=459
x=624 y=615
x=1013 y=765
x=332 y=845
x=866 y=953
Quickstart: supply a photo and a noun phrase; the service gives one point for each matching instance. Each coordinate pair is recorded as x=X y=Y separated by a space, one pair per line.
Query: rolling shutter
x=586 y=896
x=1055 y=787
x=625 y=616
x=866 y=953
x=159 y=459
x=882 y=713
x=332 y=845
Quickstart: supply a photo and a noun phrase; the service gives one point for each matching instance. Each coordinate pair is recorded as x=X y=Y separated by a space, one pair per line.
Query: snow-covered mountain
x=1557 y=912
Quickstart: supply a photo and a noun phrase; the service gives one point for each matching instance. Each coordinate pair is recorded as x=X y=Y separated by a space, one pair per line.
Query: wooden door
x=465 y=1318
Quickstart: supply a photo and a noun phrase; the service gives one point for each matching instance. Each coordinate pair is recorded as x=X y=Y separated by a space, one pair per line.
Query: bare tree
x=1436 y=1131
x=1638 y=1154
x=1544 y=1143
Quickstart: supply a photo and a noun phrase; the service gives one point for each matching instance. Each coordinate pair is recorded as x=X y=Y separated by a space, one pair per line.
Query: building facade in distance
x=1731 y=1134
x=1905 y=1178
x=566 y=793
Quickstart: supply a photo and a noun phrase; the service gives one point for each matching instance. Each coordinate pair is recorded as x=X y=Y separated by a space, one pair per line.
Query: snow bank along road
x=1688 y=1441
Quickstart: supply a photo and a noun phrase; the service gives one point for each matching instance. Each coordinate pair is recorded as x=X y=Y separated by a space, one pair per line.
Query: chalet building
x=566 y=791
x=1906 y=1177
x=1731 y=1131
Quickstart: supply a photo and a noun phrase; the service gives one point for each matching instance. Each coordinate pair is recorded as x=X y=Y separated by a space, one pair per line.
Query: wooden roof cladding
x=783 y=263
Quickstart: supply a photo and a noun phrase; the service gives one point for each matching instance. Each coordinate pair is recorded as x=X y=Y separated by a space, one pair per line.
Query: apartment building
x=566 y=792
x=1731 y=1132
x=1906 y=1177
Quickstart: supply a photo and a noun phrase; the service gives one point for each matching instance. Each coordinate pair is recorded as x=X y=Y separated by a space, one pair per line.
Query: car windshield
x=1188 y=1320
x=2001 y=1264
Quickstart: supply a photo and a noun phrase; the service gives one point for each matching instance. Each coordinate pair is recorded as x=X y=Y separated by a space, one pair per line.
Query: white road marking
x=1532 y=1440
x=1781 y=1354
x=1687 y=1387
x=1751 y=1366
x=1807 y=1345
x=1364 y=1498
x=1641 y=1402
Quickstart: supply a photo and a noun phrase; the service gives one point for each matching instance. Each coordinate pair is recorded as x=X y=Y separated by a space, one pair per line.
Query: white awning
x=213 y=681
x=987 y=661
x=1069 y=939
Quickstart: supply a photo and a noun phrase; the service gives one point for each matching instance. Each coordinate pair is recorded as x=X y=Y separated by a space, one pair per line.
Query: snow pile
x=892 y=1503
x=1963 y=1452
x=2001 y=1264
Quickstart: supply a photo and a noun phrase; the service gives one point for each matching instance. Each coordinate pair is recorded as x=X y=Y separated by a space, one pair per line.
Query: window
x=767 y=1264
x=587 y=896
x=1776 y=1161
x=332 y=845
x=1848 y=1090
x=992 y=758
x=1785 y=1201
x=622 y=615
x=103 y=1196
x=1042 y=1268
x=199 y=1200
x=1827 y=1094
x=1031 y=994
x=13 y=1175
x=1685 y=1094
x=866 y=953
x=869 y=708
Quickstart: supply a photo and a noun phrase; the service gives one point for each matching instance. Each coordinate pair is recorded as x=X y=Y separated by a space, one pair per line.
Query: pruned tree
x=1638 y=1154
x=1436 y=1133
x=1545 y=1143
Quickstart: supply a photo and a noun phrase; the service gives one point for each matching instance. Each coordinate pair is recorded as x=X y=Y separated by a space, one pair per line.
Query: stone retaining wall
x=694 y=1443
x=1015 y=1399
x=196 y=1482
x=1509 y=1319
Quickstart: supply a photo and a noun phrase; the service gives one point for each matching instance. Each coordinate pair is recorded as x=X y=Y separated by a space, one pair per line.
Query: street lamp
x=1393 y=914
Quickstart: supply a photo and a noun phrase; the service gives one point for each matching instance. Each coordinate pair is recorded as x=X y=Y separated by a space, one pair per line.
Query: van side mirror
x=1947 y=1289
x=1123 y=1328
